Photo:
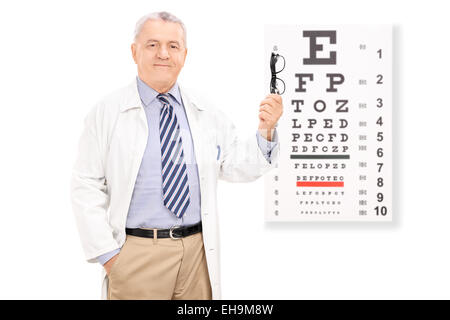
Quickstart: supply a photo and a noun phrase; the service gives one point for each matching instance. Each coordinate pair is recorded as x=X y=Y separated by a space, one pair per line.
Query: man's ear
x=185 y=55
x=133 y=51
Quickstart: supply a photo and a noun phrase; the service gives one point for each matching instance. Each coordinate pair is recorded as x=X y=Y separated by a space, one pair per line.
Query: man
x=143 y=187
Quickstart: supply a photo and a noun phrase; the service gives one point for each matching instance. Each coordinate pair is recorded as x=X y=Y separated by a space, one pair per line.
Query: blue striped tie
x=174 y=174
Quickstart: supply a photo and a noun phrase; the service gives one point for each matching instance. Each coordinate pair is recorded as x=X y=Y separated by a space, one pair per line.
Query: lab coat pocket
x=218 y=159
x=215 y=150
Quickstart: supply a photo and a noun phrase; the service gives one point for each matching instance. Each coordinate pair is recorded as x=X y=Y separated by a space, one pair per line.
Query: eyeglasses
x=275 y=82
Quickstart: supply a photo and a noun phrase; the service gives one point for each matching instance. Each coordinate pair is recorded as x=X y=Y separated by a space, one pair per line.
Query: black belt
x=175 y=232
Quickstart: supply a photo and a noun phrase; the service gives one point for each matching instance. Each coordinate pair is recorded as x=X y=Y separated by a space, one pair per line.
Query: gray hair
x=163 y=15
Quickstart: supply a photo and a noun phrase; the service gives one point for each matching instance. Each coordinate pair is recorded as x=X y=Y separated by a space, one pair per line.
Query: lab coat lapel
x=193 y=113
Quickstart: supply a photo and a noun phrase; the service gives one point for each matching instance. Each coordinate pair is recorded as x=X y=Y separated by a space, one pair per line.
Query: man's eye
x=174 y=47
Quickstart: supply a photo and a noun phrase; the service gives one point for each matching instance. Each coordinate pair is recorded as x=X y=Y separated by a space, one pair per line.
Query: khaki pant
x=149 y=268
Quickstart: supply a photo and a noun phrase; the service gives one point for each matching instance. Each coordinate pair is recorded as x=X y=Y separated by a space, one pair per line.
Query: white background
x=59 y=57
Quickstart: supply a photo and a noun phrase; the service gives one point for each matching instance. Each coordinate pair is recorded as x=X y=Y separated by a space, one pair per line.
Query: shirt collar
x=148 y=94
x=132 y=100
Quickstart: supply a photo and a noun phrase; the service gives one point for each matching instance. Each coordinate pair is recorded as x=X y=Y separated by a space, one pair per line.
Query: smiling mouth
x=161 y=65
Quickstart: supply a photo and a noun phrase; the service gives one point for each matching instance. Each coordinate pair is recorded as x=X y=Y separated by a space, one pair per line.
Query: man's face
x=159 y=53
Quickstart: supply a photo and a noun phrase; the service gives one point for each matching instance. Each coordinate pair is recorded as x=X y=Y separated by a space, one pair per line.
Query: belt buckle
x=171 y=232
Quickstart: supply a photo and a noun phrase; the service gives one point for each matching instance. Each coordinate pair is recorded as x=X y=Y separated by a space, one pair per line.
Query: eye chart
x=335 y=161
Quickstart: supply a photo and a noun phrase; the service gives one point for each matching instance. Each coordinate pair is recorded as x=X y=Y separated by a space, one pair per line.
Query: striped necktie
x=174 y=174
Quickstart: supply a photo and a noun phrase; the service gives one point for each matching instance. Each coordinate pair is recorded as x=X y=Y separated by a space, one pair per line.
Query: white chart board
x=335 y=161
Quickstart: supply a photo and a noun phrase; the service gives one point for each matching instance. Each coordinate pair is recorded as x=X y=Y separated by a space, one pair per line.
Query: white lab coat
x=110 y=151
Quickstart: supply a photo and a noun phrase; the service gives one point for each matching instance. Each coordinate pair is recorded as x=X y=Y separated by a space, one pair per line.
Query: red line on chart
x=319 y=184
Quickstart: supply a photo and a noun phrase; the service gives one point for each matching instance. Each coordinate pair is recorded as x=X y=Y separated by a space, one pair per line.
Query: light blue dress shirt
x=147 y=209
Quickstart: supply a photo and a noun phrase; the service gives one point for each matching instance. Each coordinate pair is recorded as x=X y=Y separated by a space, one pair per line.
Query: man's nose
x=163 y=53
